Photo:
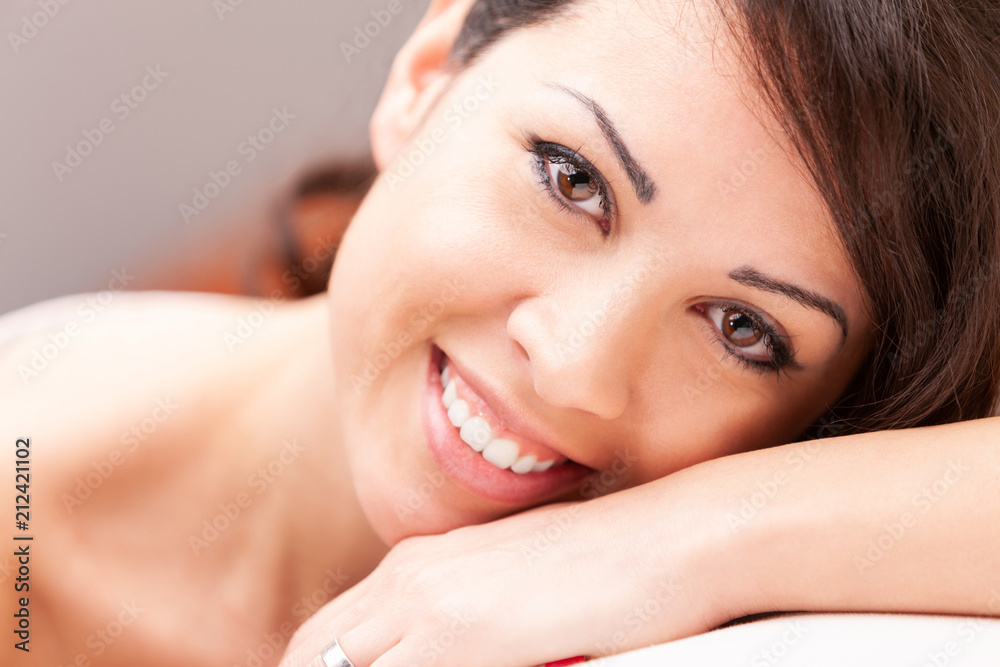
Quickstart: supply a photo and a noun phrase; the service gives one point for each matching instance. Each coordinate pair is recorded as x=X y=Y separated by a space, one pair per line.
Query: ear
x=420 y=73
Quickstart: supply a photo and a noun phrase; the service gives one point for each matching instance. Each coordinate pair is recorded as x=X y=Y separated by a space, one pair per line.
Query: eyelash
x=547 y=152
x=782 y=357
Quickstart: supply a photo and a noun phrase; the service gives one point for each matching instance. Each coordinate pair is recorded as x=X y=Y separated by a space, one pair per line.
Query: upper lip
x=511 y=417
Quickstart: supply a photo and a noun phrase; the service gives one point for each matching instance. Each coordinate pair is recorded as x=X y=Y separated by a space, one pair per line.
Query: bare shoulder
x=123 y=398
x=115 y=396
x=103 y=360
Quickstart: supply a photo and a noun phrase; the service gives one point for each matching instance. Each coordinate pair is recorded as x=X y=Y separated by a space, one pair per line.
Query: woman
x=620 y=258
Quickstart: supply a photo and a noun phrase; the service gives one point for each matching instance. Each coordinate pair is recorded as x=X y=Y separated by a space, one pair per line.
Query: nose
x=581 y=340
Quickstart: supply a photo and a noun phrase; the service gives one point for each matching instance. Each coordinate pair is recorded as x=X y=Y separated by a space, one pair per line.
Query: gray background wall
x=224 y=66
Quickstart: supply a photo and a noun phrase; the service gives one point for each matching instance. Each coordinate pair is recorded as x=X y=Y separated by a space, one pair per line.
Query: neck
x=330 y=545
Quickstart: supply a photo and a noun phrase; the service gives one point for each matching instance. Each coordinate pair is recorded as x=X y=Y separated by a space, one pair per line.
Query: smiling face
x=620 y=268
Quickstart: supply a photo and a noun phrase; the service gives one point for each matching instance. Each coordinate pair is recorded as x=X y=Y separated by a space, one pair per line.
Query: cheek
x=405 y=273
x=423 y=252
x=705 y=415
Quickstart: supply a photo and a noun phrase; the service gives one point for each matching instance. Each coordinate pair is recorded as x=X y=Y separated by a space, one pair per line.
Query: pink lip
x=470 y=470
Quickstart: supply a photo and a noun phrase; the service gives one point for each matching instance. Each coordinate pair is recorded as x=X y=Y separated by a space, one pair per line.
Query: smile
x=472 y=444
x=476 y=431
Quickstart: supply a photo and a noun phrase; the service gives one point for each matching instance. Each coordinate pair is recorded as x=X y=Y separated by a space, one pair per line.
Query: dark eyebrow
x=643 y=185
x=753 y=278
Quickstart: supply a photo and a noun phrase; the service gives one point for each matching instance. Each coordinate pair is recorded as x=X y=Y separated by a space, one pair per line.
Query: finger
x=361 y=646
x=351 y=601
x=405 y=653
x=296 y=658
x=343 y=613
x=366 y=643
x=307 y=652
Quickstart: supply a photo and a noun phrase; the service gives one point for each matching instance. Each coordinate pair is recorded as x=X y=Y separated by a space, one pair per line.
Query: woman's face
x=621 y=269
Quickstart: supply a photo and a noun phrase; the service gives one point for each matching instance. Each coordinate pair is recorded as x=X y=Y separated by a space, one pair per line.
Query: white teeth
x=501 y=453
x=542 y=466
x=524 y=464
x=458 y=412
x=476 y=432
x=449 y=395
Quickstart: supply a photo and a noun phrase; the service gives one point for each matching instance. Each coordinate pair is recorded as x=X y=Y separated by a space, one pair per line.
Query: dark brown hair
x=894 y=106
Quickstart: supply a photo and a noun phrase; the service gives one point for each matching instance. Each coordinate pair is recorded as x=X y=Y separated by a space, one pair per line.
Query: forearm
x=891 y=521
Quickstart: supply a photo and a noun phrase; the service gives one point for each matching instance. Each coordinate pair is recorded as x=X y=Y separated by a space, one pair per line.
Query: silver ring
x=333 y=656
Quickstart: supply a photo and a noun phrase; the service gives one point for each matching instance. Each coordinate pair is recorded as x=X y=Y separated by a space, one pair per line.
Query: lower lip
x=474 y=473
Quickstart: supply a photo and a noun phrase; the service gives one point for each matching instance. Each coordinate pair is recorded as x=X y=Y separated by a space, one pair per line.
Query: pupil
x=740 y=329
x=575 y=184
x=579 y=178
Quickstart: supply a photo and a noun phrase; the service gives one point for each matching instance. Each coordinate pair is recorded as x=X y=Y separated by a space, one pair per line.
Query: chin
x=408 y=510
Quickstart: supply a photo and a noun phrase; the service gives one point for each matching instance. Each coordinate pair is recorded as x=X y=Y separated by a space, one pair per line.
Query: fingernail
x=567 y=661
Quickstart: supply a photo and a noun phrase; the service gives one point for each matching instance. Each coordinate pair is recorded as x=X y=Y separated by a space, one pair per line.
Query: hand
x=592 y=578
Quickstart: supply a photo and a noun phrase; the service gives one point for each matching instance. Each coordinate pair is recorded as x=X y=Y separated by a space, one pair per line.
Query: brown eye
x=752 y=338
x=571 y=179
x=739 y=329
x=575 y=184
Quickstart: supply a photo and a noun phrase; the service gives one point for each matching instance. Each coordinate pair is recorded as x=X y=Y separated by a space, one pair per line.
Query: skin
x=528 y=270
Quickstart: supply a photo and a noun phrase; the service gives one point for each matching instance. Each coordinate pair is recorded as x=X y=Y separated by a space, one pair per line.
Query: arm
x=891 y=521
x=783 y=529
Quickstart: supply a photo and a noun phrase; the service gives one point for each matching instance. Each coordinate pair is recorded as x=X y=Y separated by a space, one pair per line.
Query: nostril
x=520 y=350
